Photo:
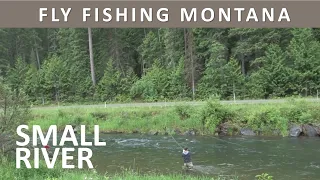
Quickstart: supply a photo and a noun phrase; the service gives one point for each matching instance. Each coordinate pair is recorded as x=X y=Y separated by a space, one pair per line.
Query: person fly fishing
x=186 y=155
x=187 y=159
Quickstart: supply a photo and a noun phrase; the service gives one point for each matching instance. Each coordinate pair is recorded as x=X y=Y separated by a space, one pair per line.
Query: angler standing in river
x=187 y=159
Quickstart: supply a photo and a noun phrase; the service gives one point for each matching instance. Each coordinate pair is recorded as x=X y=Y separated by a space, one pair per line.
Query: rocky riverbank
x=295 y=118
x=305 y=130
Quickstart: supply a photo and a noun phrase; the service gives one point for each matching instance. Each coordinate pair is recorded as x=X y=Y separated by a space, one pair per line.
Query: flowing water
x=283 y=158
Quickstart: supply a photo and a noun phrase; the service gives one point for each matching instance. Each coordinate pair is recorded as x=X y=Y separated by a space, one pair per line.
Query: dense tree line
x=73 y=65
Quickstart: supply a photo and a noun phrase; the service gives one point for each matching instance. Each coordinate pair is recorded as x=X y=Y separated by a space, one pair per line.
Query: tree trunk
x=185 y=42
x=189 y=60
x=142 y=66
x=192 y=69
x=119 y=66
x=243 y=70
x=91 y=57
x=38 y=59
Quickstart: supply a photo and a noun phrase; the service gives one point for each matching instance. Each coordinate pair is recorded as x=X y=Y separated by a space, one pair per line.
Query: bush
x=14 y=109
x=213 y=114
x=184 y=111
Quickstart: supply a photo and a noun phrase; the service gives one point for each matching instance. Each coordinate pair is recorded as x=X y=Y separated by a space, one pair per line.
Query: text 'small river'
x=245 y=157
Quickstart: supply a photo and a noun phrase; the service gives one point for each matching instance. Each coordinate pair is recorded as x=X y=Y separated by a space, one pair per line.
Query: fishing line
x=176 y=141
x=219 y=140
x=228 y=142
x=233 y=143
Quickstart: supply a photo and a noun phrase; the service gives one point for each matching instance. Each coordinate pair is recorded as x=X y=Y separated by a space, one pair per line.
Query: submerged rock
x=309 y=130
x=247 y=132
x=295 y=130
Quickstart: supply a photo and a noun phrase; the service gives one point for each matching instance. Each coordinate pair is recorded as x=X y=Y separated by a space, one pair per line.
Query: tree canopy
x=141 y=64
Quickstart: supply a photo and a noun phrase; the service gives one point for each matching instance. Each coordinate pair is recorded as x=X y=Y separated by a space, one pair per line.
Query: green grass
x=8 y=171
x=204 y=118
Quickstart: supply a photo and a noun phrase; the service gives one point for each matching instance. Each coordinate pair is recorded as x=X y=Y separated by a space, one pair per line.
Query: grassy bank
x=9 y=171
x=212 y=118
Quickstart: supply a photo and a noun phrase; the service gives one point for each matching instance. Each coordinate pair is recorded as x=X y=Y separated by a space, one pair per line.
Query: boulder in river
x=247 y=132
x=295 y=130
x=309 y=130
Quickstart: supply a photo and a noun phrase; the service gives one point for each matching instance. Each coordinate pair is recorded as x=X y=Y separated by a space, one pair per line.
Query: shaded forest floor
x=294 y=117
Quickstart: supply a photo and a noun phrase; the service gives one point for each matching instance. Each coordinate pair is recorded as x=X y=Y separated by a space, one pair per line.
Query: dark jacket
x=186 y=157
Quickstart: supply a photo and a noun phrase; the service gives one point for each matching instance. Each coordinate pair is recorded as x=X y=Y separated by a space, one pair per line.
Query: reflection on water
x=283 y=158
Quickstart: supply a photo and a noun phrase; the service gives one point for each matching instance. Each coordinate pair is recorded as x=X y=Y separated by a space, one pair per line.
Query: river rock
x=135 y=131
x=153 y=132
x=76 y=129
x=177 y=131
x=190 y=133
x=317 y=127
x=165 y=131
x=226 y=129
x=309 y=130
x=111 y=132
x=295 y=130
x=247 y=132
x=276 y=132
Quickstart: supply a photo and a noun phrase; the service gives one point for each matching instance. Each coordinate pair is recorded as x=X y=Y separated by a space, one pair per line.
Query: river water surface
x=245 y=157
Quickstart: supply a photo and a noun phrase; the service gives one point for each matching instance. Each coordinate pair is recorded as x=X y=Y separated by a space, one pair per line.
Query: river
x=283 y=158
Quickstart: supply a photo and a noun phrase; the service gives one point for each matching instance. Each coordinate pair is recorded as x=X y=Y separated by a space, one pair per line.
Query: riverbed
x=245 y=157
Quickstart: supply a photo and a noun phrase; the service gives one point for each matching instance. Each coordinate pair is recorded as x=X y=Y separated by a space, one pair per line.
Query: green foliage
x=14 y=109
x=266 y=118
x=264 y=176
x=302 y=112
x=269 y=119
x=174 y=47
x=8 y=171
x=34 y=84
x=156 y=64
x=213 y=72
x=304 y=55
x=152 y=48
x=273 y=77
x=153 y=85
x=114 y=86
x=214 y=114
x=17 y=74
x=184 y=111
x=55 y=78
